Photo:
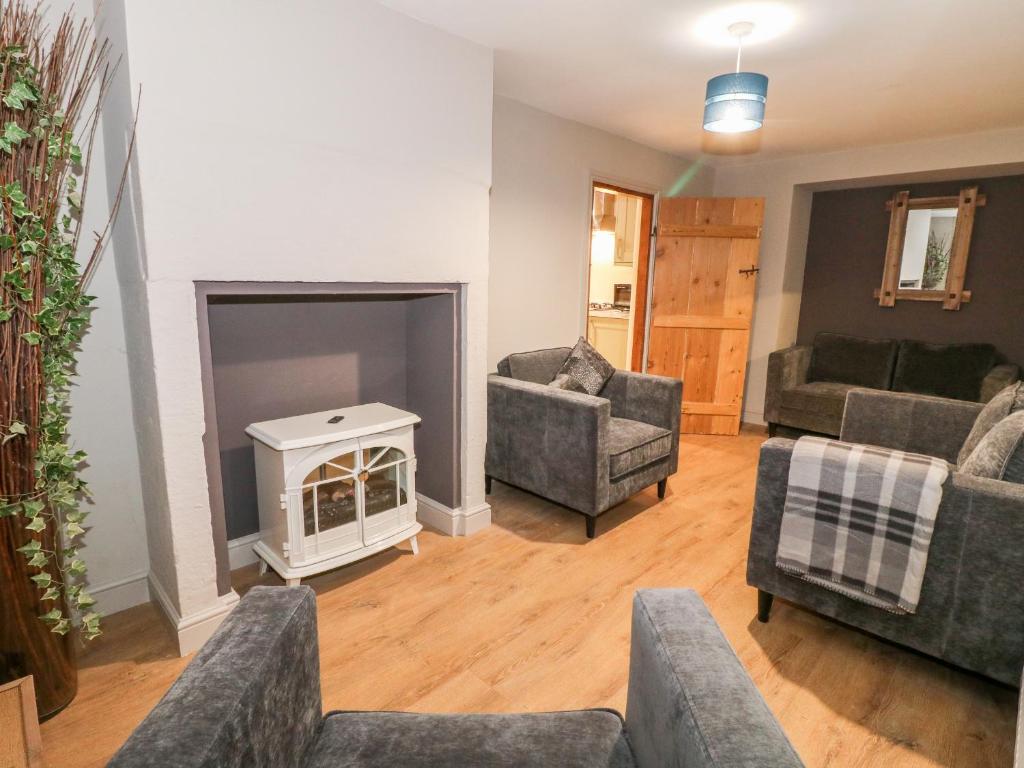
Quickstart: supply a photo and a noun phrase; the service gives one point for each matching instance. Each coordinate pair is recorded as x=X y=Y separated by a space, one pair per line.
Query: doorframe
x=644 y=271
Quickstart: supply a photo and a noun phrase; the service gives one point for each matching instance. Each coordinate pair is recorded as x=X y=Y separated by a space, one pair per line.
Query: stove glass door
x=329 y=512
x=385 y=492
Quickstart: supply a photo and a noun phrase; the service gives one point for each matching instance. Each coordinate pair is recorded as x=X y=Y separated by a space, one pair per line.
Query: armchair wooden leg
x=662 y=485
x=591 y=526
x=764 y=605
x=487 y=484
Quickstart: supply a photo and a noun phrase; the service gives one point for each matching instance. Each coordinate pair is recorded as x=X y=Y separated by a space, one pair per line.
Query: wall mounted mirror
x=926 y=254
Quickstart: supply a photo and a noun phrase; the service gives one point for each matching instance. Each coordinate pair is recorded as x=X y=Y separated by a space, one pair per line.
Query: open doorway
x=620 y=249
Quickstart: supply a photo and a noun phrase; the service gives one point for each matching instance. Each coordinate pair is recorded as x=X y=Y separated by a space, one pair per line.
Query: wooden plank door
x=705 y=272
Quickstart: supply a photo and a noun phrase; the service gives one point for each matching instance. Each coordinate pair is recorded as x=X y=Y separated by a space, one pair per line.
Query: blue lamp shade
x=735 y=102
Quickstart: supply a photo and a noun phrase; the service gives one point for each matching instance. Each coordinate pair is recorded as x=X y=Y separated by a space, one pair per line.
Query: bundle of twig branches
x=52 y=82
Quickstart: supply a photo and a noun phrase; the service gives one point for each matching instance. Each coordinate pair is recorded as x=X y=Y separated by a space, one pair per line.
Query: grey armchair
x=587 y=453
x=251 y=697
x=971 y=611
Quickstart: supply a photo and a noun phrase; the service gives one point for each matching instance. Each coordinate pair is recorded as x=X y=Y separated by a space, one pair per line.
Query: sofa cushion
x=853 y=360
x=538 y=366
x=817 y=406
x=585 y=370
x=584 y=739
x=998 y=408
x=943 y=370
x=1000 y=453
x=634 y=444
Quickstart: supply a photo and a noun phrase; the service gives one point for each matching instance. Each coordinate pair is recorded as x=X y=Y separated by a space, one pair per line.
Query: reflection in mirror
x=924 y=262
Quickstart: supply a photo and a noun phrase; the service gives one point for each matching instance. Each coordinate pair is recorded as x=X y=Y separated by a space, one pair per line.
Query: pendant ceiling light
x=734 y=102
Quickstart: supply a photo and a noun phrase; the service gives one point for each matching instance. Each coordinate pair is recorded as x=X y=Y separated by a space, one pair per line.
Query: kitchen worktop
x=614 y=313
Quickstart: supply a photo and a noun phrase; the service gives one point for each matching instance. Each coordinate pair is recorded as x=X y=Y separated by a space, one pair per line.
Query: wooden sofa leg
x=487 y=485
x=764 y=605
x=662 y=485
x=591 y=526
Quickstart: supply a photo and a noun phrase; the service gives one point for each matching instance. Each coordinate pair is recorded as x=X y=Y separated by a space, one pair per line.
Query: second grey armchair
x=585 y=452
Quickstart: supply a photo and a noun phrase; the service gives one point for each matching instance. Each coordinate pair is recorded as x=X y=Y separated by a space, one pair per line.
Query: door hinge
x=284 y=501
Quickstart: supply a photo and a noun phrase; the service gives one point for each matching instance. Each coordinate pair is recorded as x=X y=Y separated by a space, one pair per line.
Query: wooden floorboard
x=529 y=615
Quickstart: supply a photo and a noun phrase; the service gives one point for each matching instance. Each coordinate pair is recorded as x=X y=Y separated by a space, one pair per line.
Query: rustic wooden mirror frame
x=899 y=207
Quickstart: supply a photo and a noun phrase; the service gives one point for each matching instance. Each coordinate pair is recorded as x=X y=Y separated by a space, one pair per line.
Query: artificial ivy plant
x=52 y=82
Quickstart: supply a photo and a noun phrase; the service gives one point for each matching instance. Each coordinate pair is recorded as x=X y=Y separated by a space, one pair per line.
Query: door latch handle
x=750 y=271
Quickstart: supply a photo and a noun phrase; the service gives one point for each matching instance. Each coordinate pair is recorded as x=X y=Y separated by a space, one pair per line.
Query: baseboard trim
x=240 y=552
x=122 y=594
x=753 y=417
x=193 y=630
x=453 y=522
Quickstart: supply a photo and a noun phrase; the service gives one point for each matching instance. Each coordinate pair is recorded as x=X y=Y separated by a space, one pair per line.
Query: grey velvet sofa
x=807 y=385
x=251 y=697
x=971 y=611
x=585 y=452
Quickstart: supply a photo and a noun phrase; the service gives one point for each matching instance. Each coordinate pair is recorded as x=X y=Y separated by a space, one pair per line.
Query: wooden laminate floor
x=529 y=615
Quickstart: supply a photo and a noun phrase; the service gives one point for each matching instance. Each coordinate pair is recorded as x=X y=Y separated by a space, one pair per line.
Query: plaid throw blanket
x=859 y=520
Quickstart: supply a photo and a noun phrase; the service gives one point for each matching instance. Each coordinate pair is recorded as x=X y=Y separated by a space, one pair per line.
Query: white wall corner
x=464 y=521
x=193 y=630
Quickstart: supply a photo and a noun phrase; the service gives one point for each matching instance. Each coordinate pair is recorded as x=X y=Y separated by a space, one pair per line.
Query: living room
x=344 y=252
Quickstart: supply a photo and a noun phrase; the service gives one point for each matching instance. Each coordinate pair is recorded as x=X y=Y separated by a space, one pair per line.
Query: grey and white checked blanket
x=858 y=520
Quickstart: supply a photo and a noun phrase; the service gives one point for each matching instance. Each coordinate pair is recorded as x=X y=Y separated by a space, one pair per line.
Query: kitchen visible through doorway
x=620 y=245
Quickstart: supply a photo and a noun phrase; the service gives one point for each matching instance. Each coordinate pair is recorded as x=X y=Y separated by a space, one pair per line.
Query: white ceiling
x=846 y=73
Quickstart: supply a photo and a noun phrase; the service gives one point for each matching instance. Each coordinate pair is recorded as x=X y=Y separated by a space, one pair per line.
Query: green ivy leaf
x=73 y=529
x=36 y=524
x=77 y=567
x=84 y=600
x=32 y=546
x=51 y=593
x=33 y=507
x=62 y=627
x=42 y=580
x=53 y=615
x=39 y=559
x=6 y=313
x=75 y=152
x=19 y=94
x=32 y=338
x=14 y=133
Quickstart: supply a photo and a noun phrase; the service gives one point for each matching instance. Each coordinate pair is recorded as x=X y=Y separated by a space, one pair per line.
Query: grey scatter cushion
x=1000 y=454
x=585 y=370
x=998 y=408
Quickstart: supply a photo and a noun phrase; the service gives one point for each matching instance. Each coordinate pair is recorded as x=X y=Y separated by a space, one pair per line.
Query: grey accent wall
x=845 y=251
x=274 y=357
x=433 y=363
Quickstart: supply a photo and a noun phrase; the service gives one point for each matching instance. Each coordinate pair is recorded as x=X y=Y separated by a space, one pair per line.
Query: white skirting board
x=240 y=552
x=121 y=594
x=192 y=631
x=753 y=417
x=454 y=522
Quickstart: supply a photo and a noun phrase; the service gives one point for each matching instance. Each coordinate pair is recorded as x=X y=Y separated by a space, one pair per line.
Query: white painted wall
x=540 y=220
x=787 y=185
x=114 y=547
x=354 y=149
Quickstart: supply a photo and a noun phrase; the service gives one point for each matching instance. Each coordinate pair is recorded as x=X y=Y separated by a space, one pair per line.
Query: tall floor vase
x=27 y=646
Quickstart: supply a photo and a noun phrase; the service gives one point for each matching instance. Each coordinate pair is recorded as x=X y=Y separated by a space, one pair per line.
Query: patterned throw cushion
x=585 y=370
x=1000 y=454
x=998 y=408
